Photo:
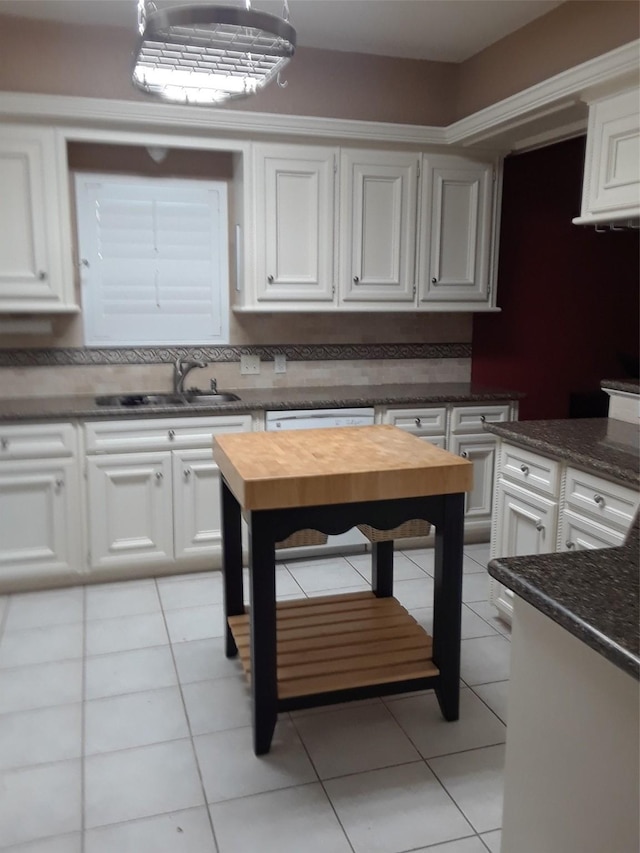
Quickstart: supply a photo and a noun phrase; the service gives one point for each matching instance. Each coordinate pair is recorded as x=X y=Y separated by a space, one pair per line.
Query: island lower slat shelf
x=339 y=642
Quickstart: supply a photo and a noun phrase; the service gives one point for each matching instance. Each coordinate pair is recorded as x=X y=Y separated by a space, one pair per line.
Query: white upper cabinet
x=455 y=244
x=378 y=212
x=611 y=188
x=294 y=223
x=36 y=273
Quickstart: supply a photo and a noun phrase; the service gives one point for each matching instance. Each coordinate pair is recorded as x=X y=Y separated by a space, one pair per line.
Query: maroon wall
x=569 y=296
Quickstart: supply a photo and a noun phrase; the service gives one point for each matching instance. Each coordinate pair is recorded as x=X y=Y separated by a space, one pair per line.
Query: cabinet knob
x=187 y=473
x=464 y=454
x=434 y=280
x=418 y=422
x=524 y=469
x=599 y=500
x=171 y=434
x=356 y=279
x=59 y=483
x=483 y=418
x=570 y=545
x=539 y=527
x=270 y=279
x=42 y=275
x=159 y=475
x=4 y=443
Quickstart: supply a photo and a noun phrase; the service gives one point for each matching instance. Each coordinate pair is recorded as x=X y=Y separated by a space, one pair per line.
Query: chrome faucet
x=181 y=369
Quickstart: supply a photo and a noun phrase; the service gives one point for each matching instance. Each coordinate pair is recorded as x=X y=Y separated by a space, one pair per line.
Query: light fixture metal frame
x=242 y=47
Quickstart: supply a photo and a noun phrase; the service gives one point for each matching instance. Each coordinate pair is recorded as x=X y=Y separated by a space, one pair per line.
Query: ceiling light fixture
x=206 y=55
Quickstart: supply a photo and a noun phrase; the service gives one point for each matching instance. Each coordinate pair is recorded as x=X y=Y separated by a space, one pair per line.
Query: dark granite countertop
x=259 y=399
x=593 y=594
x=601 y=445
x=629 y=386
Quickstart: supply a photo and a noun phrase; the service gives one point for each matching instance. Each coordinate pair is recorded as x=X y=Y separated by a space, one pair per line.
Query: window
x=154 y=260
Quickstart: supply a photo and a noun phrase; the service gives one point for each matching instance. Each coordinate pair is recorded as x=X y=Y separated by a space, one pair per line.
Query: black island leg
x=264 y=686
x=382 y=568
x=231 y=562
x=447 y=603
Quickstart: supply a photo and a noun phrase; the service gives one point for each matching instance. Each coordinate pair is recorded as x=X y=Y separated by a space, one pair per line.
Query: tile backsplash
x=53 y=372
x=321 y=349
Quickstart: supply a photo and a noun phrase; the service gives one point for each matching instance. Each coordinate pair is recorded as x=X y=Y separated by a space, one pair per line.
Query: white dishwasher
x=352 y=540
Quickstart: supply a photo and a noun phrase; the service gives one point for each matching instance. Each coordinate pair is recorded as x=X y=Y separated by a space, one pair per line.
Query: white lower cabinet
x=130 y=509
x=543 y=505
x=157 y=504
x=196 y=506
x=40 y=536
x=459 y=430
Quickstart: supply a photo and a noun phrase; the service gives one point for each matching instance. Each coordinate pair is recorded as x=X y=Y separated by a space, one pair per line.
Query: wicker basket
x=303 y=537
x=416 y=527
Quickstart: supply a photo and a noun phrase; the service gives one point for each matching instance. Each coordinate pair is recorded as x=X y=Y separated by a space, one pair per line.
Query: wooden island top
x=277 y=470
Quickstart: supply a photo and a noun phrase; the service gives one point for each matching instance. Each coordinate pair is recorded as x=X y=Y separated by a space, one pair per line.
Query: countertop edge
x=82 y=406
x=502 y=569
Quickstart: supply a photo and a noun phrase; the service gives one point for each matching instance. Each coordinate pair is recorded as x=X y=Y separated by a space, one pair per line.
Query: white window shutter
x=157 y=260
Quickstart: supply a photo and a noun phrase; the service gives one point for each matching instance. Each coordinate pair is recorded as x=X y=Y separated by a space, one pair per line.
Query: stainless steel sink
x=194 y=397
x=143 y=399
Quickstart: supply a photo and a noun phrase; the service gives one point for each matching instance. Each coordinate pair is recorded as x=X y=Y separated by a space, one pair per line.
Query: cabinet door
x=130 y=509
x=39 y=519
x=481 y=451
x=35 y=244
x=525 y=524
x=612 y=169
x=456 y=231
x=196 y=504
x=295 y=222
x=378 y=212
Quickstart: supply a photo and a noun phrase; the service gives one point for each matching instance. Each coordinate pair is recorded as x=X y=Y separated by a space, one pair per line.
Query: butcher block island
x=334 y=648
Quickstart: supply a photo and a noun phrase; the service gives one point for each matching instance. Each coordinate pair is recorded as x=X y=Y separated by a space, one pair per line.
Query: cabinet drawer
x=37 y=441
x=418 y=421
x=160 y=434
x=471 y=418
x=530 y=470
x=610 y=503
x=581 y=534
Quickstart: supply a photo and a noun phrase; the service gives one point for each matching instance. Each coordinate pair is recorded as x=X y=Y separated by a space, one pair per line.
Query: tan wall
x=567 y=36
x=51 y=58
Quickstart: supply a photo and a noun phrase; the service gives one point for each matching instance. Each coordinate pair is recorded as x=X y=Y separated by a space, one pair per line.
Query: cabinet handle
x=171 y=434
x=187 y=473
x=539 y=527
x=4 y=443
x=570 y=545
x=464 y=454
x=159 y=475
x=418 y=422
x=42 y=275
x=356 y=279
x=524 y=469
x=270 y=279
x=434 y=280
x=599 y=500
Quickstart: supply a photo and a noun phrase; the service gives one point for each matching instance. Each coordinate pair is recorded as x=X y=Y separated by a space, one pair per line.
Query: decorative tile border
x=88 y=356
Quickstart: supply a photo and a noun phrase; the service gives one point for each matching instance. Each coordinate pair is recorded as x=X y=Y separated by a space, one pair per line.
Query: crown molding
x=499 y=126
x=584 y=82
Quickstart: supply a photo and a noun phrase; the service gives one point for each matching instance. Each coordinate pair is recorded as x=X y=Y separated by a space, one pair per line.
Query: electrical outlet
x=279 y=363
x=249 y=364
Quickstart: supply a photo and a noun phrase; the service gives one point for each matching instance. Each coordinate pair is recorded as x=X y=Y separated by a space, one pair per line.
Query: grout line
x=193 y=746
x=321 y=782
x=83 y=723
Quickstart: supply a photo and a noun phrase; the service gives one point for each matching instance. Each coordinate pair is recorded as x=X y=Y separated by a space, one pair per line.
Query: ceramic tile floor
x=123 y=729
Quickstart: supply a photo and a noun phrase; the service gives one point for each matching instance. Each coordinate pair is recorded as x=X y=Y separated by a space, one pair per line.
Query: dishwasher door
x=352 y=541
